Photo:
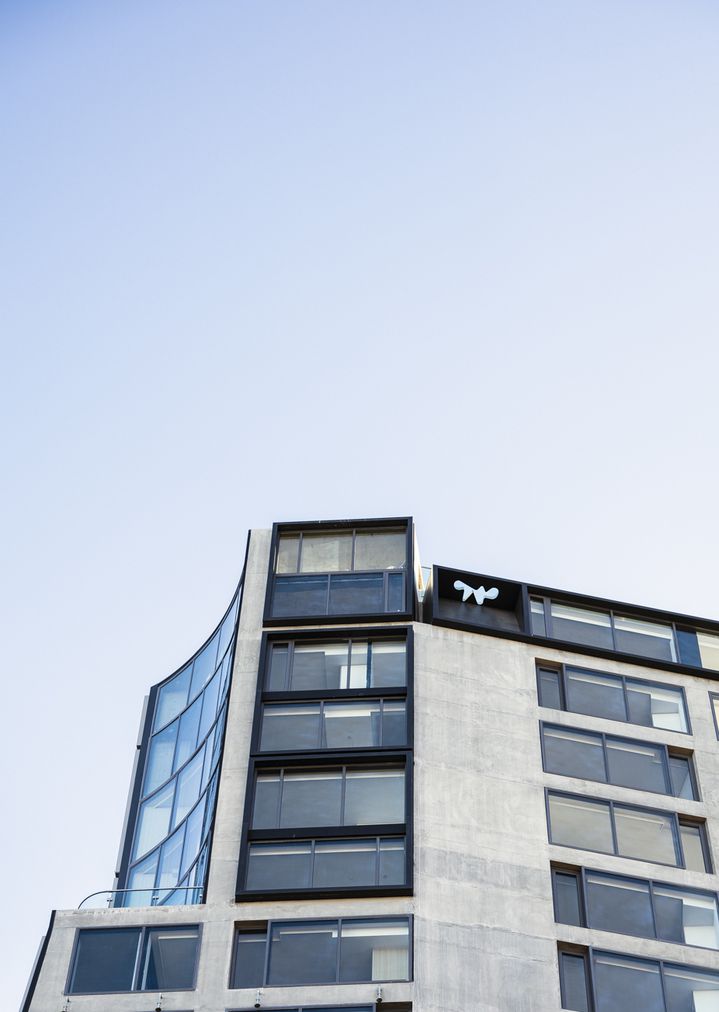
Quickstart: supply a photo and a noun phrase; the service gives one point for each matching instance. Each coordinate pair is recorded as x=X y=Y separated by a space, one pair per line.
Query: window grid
x=300 y=535
x=604 y=738
x=677 y=821
x=321 y=730
x=351 y=641
x=561 y=670
x=377 y=839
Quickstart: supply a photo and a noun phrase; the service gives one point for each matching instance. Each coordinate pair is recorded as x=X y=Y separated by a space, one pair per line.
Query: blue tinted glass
x=204 y=666
x=187 y=736
x=689 y=647
x=193 y=838
x=395 y=592
x=104 y=960
x=209 y=706
x=172 y=698
x=159 y=760
x=188 y=788
x=170 y=859
x=300 y=595
x=356 y=594
x=142 y=878
x=227 y=628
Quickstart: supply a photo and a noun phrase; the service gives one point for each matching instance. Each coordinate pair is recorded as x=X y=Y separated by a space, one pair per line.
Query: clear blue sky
x=281 y=260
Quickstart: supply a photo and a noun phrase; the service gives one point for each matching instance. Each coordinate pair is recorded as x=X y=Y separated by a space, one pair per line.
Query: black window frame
x=667 y=753
x=240 y=928
x=580 y=872
x=349 y=757
x=561 y=671
x=143 y=930
x=590 y=952
x=339 y=526
x=678 y=820
x=715 y=716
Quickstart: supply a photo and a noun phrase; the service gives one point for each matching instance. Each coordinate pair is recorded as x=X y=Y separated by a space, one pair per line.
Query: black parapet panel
x=477 y=601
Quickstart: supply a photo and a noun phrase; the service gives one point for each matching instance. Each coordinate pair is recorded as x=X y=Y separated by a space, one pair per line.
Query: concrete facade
x=485 y=937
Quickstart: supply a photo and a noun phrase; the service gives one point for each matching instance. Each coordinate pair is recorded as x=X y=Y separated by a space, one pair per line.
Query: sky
x=273 y=260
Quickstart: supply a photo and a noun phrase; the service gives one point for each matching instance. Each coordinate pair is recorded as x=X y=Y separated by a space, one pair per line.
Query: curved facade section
x=169 y=831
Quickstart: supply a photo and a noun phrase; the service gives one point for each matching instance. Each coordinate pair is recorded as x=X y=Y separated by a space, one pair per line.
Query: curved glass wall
x=175 y=809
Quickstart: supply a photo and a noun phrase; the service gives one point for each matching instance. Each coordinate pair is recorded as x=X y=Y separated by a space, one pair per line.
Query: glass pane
x=193 y=839
x=639 y=766
x=209 y=707
x=290 y=727
x=576 y=822
x=388 y=662
x=573 y=973
x=319 y=666
x=170 y=859
x=681 y=778
x=228 y=628
x=249 y=969
x=686 y=917
x=380 y=550
x=326 y=553
x=360 y=594
x=359 y=665
x=374 y=950
x=647 y=639
x=549 y=691
x=694 y=990
x=266 y=810
x=623 y=905
x=287 y=553
x=204 y=666
x=153 y=822
x=352 y=725
x=345 y=863
x=392 y=862
x=159 y=759
x=279 y=866
x=536 y=616
x=311 y=798
x=566 y=898
x=595 y=694
x=627 y=985
x=276 y=680
x=374 y=796
x=394 y=724
x=169 y=957
x=172 y=697
x=708 y=650
x=573 y=753
x=188 y=788
x=142 y=877
x=104 y=960
x=654 y=706
x=187 y=735
x=694 y=859
x=395 y=592
x=580 y=625
x=299 y=595
x=646 y=835
x=688 y=647
x=303 y=953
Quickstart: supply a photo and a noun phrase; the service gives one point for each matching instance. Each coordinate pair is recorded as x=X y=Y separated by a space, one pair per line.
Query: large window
x=110 y=960
x=627 y=831
x=347 y=665
x=349 y=950
x=359 y=862
x=640 y=765
x=621 y=983
x=607 y=629
x=329 y=796
x=345 y=571
x=366 y=723
x=638 y=907
x=612 y=696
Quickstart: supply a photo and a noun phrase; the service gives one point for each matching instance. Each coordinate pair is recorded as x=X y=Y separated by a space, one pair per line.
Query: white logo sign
x=480 y=594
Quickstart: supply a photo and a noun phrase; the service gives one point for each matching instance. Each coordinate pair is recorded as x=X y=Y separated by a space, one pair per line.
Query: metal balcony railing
x=142 y=897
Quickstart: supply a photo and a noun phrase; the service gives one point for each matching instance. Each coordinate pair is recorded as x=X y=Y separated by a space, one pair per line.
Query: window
x=620 y=761
x=346 y=665
x=134 y=959
x=627 y=984
x=605 y=629
x=638 y=907
x=614 y=697
x=354 y=862
x=714 y=700
x=367 y=723
x=324 y=796
x=627 y=831
x=349 y=950
x=340 y=572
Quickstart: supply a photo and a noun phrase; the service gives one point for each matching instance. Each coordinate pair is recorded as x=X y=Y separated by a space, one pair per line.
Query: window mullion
x=268 y=943
x=614 y=829
x=339 y=946
x=138 y=959
x=653 y=909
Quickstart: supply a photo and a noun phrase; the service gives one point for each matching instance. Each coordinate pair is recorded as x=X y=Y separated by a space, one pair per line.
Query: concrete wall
x=484 y=933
